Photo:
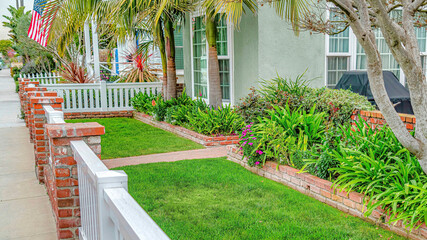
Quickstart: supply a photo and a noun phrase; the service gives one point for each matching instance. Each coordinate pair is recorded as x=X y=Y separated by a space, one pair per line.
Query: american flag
x=40 y=24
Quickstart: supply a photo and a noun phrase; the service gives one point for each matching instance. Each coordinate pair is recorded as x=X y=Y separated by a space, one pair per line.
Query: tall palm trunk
x=161 y=43
x=170 y=53
x=215 y=93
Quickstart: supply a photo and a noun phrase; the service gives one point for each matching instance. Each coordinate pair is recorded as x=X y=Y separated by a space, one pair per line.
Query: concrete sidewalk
x=25 y=211
x=213 y=152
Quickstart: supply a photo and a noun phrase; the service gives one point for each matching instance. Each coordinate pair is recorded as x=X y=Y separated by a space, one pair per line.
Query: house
x=264 y=45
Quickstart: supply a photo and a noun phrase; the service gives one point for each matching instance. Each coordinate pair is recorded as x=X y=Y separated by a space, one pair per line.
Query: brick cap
x=36 y=99
x=28 y=89
x=74 y=129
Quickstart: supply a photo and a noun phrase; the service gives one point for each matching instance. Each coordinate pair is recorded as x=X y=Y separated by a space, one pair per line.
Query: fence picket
x=97 y=97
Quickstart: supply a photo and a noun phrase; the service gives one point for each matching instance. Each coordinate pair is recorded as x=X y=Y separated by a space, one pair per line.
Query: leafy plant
x=211 y=121
x=252 y=107
x=74 y=73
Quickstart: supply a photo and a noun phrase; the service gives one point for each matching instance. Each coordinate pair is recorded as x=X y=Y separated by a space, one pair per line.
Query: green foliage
x=192 y=114
x=5 y=45
x=339 y=104
x=143 y=102
x=283 y=133
x=252 y=107
x=213 y=122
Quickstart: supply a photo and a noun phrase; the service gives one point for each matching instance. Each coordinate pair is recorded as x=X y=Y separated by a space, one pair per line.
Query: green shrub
x=338 y=104
x=253 y=107
x=211 y=121
x=144 y=102
x=284 y=133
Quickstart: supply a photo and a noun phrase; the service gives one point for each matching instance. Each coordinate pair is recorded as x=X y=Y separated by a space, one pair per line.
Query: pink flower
x=256 y=163
x=250 y=144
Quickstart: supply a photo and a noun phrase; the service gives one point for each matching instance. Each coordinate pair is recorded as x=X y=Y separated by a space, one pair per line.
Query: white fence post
x=104 y=106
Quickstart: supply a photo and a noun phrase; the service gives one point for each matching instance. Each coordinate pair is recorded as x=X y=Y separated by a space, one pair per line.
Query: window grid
x=337 y=66
x=200 y=69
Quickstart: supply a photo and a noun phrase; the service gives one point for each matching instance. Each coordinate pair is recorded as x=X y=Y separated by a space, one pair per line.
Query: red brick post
x=61 y=172
x=23 y=83
x=37 y=121
x=25 y=103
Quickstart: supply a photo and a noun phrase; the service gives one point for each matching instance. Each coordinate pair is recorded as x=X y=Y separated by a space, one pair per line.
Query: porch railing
x=102 y=96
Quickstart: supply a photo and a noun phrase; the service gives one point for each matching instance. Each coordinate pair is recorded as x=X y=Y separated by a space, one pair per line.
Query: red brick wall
x=61 y=172
x=112 y=114
x=322 y=190
x=186 y=133
x=376 y=119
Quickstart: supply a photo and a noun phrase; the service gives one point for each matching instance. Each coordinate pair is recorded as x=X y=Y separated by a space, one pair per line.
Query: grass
x=126 y=137
x=219 y=199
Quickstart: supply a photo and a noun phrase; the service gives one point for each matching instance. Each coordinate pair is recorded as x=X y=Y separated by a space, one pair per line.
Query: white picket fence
x=102 y=96
x=43 y=78
x=107 y=210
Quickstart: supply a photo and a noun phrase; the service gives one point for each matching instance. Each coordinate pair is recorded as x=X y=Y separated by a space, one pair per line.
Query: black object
x=358 y=82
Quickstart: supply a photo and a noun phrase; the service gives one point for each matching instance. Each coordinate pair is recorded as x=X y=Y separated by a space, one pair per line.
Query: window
x=200 y=64
x=200 y=58
x=336 y=68
x=179 y=49
x=338 y=55
x=388 y=62
x=345 y=53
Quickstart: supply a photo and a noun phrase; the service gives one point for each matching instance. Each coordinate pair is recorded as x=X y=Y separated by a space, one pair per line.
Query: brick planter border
x=322 y=190
x=109 y=114
x=376 y=119
x=186 y=133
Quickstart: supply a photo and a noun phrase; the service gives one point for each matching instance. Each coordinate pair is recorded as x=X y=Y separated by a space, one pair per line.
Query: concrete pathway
x=25 y=211
x=213 y=152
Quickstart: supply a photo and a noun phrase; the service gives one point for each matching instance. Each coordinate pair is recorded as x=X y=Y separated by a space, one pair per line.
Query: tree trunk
x=215 y=93
x=170 y=54
x=161 y=43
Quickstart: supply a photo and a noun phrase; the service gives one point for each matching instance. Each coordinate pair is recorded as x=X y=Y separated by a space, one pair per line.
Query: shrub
x=338 y=104
x=210 y=121
x=253 y=107
x=285 y=91
x=251 y=148
x=284 y=133
x=143 y=102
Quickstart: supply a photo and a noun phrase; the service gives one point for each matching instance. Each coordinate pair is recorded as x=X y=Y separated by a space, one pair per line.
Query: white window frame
x=352 y=54
x=230 y=57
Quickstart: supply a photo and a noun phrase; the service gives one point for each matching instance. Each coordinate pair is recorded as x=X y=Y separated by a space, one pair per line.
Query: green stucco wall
x=245 y=55
x=280 y=51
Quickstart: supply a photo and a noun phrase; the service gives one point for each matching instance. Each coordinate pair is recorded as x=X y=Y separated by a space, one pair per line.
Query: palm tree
x=233 y=10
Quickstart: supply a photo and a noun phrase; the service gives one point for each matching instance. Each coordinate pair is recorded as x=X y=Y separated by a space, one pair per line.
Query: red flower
x=153 y=103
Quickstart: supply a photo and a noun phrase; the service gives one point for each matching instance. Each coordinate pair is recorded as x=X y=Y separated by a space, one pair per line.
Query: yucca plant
x=74 y=73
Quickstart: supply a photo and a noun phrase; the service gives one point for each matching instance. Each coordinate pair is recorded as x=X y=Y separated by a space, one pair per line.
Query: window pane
x=224 y=74
x=389 y=64
x=199 y=58
x=338 y=42
x=221 y=36
x=336 y=68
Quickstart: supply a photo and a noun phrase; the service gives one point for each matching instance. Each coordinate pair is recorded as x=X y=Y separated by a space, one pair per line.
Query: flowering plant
x=251 y=147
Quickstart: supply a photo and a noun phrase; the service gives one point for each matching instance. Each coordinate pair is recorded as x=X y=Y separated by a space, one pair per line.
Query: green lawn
x=126 y=137
x=219 y=199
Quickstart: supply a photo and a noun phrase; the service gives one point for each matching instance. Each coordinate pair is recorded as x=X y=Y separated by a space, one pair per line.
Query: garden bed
x=323 y=190
x=218 y=199
x=205 y=140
